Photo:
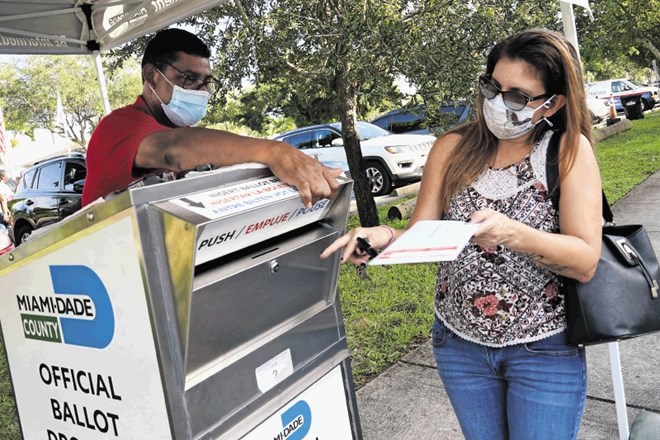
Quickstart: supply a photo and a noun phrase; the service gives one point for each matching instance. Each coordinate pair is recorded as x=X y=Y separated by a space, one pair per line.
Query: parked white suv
x=390 y=159
x=620 y=88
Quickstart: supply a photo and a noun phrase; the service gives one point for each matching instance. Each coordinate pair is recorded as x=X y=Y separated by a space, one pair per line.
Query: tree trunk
x=347 y=95
x=650 y=46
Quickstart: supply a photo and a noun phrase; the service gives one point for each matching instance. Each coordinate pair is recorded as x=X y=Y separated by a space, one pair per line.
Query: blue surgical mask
x=187 y=107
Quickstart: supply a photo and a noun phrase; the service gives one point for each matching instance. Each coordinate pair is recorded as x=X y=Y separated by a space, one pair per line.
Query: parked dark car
x=47 y=192
x=413 y=120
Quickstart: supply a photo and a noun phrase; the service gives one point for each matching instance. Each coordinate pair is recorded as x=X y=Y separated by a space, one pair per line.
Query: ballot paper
x=428 y=241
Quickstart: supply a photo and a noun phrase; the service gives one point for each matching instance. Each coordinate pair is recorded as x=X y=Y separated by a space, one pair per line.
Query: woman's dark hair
x=166 y=43
x=557 y=64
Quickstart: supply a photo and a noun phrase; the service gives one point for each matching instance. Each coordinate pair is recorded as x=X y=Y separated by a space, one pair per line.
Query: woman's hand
x=494 y=228
x=378 y=237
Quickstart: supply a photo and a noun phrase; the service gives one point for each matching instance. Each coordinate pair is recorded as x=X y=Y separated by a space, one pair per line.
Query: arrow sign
x=195 y=204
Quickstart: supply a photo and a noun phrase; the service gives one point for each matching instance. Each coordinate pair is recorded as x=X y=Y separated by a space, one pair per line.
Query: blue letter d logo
x=300 y=409
x=81 y=280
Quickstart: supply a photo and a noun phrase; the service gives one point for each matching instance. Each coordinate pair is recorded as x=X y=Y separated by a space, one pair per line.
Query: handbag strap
x=552 y=176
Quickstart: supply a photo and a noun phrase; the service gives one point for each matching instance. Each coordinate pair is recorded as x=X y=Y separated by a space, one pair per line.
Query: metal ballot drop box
x=191 y=309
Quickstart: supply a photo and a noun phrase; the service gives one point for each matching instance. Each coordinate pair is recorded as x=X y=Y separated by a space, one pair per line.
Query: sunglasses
x=512 y=99
x=194 y=82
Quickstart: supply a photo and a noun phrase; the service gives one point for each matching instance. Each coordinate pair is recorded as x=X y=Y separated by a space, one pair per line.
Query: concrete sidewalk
x=408 y=402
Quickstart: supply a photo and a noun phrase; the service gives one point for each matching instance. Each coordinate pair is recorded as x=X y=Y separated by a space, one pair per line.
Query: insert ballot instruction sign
x=79 y=342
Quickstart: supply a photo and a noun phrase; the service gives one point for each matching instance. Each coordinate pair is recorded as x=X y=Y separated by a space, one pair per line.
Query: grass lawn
x=392 y=312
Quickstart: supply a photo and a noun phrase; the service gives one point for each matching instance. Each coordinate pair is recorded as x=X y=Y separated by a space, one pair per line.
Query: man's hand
x=313 y=180
x=186 y=147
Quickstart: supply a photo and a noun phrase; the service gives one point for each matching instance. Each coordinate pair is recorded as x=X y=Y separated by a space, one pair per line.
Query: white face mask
x=505 y=123
x=187 y=107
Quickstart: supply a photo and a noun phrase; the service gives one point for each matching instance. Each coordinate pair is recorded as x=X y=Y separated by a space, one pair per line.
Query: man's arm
x=185 y=148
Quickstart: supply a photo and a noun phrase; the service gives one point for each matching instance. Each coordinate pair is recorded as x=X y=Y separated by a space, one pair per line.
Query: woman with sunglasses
x=498 y=336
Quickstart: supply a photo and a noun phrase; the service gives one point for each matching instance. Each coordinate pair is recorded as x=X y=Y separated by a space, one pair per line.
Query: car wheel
x=379 y=179
x=645 y=105
x=22 y=233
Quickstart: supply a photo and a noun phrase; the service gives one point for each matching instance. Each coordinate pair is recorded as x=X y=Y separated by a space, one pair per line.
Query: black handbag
x=621 y=300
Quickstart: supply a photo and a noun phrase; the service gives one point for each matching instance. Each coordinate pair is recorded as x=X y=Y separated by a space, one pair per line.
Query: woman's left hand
x=494 y=228
x=377 y=236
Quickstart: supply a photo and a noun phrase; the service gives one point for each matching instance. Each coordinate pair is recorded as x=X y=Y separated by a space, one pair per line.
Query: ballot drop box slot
x=191 y=309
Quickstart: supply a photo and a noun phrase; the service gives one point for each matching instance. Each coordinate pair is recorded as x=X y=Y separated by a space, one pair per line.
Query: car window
x=73 y=172
x=324 y=138
x=618 y=86
x=444 y=117
x=301 y=140
x=26 y=180
x=369 y=131
x=403 y=122
x=49 y=177
x=458 y=110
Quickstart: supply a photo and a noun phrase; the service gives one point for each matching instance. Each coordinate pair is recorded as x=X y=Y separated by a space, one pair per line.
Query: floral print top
x=498 y=297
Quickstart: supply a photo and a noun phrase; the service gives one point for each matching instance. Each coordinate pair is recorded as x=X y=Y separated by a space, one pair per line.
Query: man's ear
x=149 y=73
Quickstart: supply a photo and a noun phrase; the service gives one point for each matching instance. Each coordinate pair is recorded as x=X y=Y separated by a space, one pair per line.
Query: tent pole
x=619 y=392
x=615 y=361
x=568 y=20
x=104 y=91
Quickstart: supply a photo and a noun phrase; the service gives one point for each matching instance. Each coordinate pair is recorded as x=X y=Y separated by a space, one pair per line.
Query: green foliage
x=234 y=128
x=449 y=41
x=9 y=429
x=630 y=157
x=44 y=77
x=622 y=39
x=234 y=116
x=29 y=90
x=124 y=84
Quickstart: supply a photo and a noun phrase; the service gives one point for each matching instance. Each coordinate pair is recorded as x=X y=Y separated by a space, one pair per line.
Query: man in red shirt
x=156 y=133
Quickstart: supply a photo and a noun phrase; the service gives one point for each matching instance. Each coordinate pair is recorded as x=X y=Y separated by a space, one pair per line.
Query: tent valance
x=86 y=26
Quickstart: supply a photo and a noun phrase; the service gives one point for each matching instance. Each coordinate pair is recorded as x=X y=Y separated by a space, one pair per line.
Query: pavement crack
x=418 y=364
x=628 y=405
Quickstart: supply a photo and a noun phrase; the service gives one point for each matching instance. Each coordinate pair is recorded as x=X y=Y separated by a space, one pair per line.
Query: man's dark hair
x=166 y=43
x=3 y=173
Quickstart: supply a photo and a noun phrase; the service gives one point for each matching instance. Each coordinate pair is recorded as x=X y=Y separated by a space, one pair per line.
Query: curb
x=611 y=130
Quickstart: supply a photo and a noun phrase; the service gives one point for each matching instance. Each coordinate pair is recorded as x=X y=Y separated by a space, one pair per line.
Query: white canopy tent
x=86 y=26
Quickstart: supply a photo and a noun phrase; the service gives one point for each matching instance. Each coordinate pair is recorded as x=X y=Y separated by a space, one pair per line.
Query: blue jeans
x=533 y=391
